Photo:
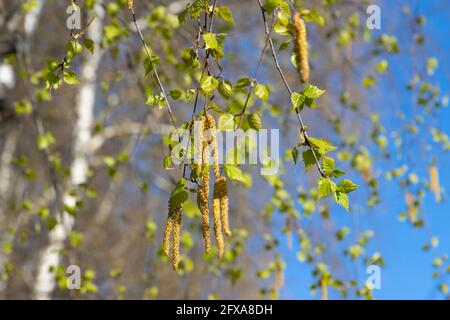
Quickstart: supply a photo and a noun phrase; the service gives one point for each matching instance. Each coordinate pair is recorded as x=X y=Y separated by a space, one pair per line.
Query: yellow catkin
x=168 y=231
x=279 y=279
x=411 y=208
x=130 y=4
x=223 y=193
x=218 y=224
x=434 y=182
x=324 y=289
x=213 y=143
x=203 y=190
x=301 y=47
x=200 y=142
x=177 y=220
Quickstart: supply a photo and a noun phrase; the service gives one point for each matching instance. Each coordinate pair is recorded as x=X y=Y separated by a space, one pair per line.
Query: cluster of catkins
x=206 y=148
x=301 y=47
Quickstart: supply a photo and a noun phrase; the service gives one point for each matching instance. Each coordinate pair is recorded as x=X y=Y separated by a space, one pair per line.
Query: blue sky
x=408 y=271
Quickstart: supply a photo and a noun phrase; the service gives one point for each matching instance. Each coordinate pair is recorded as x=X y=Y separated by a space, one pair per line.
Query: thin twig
x=155 y=72
x=280 y=71
x=205 y=68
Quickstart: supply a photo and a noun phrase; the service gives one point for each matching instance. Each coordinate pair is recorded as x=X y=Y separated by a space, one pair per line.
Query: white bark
x=9 y=148
x=45 y=282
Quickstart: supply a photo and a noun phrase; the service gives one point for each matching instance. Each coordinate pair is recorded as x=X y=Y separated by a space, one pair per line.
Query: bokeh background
x=87 y=154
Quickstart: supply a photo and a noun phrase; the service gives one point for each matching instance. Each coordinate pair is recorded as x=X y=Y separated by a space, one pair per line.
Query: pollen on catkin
x=222 y=191
x=177 y=219
x=203 y=190
x=173 y=225
x=301 y=47
x=434 y=182
x=130 y=4
x=213 y=143
x=168 y=230
x=218 y=225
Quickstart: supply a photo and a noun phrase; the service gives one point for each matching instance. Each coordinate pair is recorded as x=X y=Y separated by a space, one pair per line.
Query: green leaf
x=89 y=44
x=242 y=83
x=261 y=92
x=308 y=159
x=70 y=78
x=23 y=107
x=45 y=141
x=322 y=145
x=150 y=63
x=176 y=94
x=325 y=188
x=210 y=41
x=337 y=173
x=179 y=194
x=73 y=48
x=234 y=173
x=347 y=186
x=226 y=88
x=382 y=66
x=294 y=153
x=208 y=84
x=328 y=165
x=369 y=81
x=312 y=92
x=225 y=14
x=254 y=121
x=298 y=100
x=342 y=199
x=226 y=122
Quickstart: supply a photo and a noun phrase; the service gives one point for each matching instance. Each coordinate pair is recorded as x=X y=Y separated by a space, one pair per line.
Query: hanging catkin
x=203 y=190
x=434 y=182
x=213 y=143
x=173 y=224
x=301 y=47
x=411 y=207
x=218 y=224
x=222 y=193
x=130 y=4
x=176 y=237
x=168 y=231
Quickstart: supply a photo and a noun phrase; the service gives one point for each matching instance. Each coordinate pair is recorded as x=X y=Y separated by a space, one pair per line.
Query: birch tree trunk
x=50 y=257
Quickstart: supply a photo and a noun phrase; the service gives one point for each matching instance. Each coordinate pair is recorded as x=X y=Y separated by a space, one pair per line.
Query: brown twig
x=288 y=88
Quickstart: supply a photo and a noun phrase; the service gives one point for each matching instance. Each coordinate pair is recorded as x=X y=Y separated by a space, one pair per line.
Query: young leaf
x=342 y=199
x=322 y=145
x=347 y=186
x=234 y=173
x=313 y=92
x=225 y=88
x=261 y=92
x=294 y=153
x=254 y=121
x=298 y=100
x=210 y=41
x=325 y=188
x=208 y=84
x=226 y=122
x=328 y=165
x=308 y=159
